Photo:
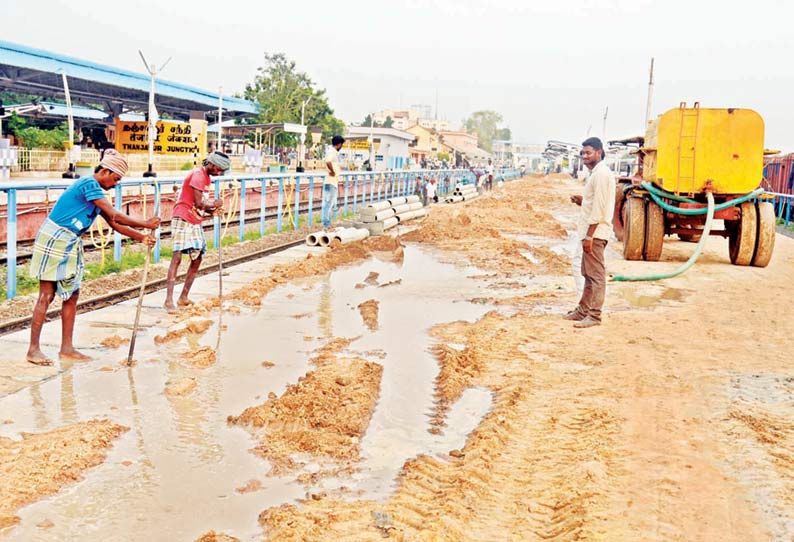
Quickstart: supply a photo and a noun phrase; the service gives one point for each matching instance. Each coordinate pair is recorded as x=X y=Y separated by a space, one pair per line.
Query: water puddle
x=648 y=296
x=174 y=475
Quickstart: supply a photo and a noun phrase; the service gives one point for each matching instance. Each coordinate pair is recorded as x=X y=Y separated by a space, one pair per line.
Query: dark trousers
x=595 y=280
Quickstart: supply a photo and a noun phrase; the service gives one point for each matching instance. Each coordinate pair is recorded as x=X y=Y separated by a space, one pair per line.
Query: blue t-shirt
x=75 y=209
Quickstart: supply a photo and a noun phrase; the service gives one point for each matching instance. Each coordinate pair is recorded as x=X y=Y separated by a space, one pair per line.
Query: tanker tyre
x=765 y=237
x=654 y=232
x=742 y=236
x=633 y=228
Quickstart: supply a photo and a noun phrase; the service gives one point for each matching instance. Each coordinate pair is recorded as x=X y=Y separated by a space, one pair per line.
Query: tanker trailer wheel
x=765 y=242
x=633 y=228
x=742 y=235
x=654 y=231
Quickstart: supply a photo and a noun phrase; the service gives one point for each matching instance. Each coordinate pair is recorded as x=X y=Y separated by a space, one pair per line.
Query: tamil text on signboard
x=172 y=138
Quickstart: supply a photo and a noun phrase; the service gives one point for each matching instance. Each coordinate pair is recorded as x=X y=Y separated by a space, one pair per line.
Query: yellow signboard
x=172 y=138
x=359 y=145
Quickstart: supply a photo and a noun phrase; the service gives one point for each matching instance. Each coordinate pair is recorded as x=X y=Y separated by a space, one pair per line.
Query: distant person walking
x=58 y=250
x=186 y=230
x=489 y=170
x=331 y=184
x=595 y=226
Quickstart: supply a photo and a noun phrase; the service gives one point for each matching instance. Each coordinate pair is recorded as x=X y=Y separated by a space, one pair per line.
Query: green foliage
x=187 y=166
x=443 y=156
x=280 y=89
x=14 y=123
x=484 y=124
x=388 y=123
x=37 y=138
x=504 y=134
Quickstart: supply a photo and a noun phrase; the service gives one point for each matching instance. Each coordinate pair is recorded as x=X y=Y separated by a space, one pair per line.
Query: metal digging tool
x=220 y=295
x=140 y=304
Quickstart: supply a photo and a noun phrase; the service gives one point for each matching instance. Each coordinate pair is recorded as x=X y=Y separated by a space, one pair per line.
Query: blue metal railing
x=390 y=184
x=784 y=203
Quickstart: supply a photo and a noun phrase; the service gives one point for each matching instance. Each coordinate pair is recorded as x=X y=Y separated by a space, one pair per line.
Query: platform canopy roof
x=33 y=71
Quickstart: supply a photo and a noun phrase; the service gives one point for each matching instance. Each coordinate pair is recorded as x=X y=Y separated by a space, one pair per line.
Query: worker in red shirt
x=186 y=231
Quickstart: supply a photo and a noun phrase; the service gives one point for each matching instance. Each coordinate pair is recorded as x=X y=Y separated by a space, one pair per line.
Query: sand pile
x=201 y=358
x=325 y=414
x=41 y=464
x=369 y=312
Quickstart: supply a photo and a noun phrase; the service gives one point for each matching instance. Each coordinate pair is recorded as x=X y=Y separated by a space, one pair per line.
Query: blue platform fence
x=355 y=190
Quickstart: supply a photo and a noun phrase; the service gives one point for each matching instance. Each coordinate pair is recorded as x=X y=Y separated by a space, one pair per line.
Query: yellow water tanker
x=686 y=147
x=686 y=152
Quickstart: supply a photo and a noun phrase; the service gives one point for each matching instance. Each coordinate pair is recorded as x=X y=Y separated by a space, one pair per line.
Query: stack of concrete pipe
x=382 y=215
x=343 y=235
x=464 y=192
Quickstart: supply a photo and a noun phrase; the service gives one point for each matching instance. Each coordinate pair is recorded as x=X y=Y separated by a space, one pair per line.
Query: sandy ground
x=672 y=421
x=41 y=464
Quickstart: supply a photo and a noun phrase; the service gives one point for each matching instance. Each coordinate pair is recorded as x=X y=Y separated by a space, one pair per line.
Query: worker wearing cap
x=57 y=260
x=186 y=230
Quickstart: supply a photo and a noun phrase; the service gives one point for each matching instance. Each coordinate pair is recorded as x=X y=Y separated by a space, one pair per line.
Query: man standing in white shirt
x=331 y=183
x=595 y=226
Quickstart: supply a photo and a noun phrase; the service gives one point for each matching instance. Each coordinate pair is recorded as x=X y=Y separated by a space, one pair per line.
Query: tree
x=504 y=134
x=388 y=123
x=280 y=89
x=368 y=122
x=484 y=124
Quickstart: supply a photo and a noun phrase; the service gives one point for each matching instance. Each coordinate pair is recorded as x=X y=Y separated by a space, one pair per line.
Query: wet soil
x=41 y=464
x=670 y=421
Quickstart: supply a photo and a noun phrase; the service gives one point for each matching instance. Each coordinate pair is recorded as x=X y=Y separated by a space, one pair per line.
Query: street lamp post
x=300 y=168
x=372 y=142
x=152 y=130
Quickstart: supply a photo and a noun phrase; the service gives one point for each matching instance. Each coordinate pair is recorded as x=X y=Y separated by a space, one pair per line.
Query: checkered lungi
x=58 y=257
x=188 y=238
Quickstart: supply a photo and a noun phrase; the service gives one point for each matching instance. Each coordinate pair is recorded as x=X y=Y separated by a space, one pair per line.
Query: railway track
x=24 y=246
x=116 y=296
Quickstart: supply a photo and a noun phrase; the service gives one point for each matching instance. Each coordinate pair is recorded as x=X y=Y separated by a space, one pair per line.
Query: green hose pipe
x=665 y=194
x=701 y=210
x=692 y=259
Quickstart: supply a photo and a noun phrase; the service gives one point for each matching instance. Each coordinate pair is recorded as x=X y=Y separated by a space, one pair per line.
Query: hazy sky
x=550 y=68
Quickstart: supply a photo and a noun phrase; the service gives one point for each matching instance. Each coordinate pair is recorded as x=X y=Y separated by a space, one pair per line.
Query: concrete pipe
x=325 y=239
x=396 y=201
x=401 y=208
x=390 y=222
x=348 y=235
x=373 y=208
x=313 y=239
x=455 y=199
x=469 y=197
x=412 y=199
x=377 y=217
x=415 y=206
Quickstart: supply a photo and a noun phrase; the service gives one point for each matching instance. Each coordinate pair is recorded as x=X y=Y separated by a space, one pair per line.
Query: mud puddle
x=648 y=296
x=179 y=470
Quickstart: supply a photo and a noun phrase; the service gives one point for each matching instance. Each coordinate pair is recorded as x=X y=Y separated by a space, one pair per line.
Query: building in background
x=428 y=146
x=402 y=119
x=391 y=147
x=503 y=152
x=529 y=155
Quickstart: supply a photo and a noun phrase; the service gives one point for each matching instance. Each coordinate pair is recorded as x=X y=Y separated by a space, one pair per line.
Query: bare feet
x=37 y=357
x=170 y=308
x=183 y=302
x=73 y=355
